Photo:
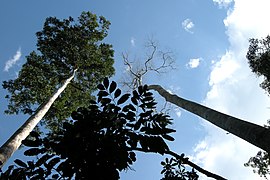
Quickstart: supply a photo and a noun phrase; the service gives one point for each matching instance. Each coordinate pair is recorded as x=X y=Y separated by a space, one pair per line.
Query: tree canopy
x=258 y=56
x=62 y=46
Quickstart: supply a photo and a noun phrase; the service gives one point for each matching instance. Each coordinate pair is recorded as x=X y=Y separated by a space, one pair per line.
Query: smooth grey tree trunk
x=252 y=133
x=13 y=143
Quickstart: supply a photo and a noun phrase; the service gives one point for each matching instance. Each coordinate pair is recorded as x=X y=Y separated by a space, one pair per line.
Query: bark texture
x=13 y=143
x=250 y=132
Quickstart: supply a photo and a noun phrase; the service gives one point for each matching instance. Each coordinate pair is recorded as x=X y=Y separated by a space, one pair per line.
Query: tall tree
x=252 y=133
x=258 y=57
x=64 y=47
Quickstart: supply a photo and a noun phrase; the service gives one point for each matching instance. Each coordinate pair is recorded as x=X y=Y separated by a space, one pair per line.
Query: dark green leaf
x=163 y=171
x=100 y=87
x=169 y=138
x=31 y=143
x=32 y=152
x=106 y=82
x=42 y=160
x=136 y=95
x=53 y=162
x=140 y=90
x=112 y=86
x=20 y=163
x=34 y=134
x=55 y=176
x=134 y=100
x=102 y=93
x=117 y=93
x=105 y=101
x=123 y=99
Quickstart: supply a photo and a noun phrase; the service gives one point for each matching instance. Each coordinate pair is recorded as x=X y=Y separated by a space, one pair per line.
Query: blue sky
x=209 y=40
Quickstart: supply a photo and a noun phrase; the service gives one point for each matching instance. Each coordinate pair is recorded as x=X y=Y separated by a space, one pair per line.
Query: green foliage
x=101 y=140
x=173 y=169
x=258 y=56
x=62 y=46
x=260 y=163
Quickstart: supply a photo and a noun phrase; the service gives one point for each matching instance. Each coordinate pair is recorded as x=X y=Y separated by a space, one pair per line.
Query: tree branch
x=185 y=161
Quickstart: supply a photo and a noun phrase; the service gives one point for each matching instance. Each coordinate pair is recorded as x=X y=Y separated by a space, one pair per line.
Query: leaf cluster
x=62 y=46
x=173 y=169
x=258 y=56
x=101 y=140
x=260 y=163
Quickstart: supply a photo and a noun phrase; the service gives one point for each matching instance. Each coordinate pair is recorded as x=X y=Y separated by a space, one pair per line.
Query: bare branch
x=150 y=64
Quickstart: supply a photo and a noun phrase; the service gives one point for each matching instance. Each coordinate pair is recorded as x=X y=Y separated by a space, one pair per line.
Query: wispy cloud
x=132 y=41
x=194 y=63
x=235 y=90
x=188 y=25
x=223 y=3
x=11 y=62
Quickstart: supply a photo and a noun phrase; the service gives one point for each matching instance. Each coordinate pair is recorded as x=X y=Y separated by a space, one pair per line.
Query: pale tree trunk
x=13 y=143
x=252 y=133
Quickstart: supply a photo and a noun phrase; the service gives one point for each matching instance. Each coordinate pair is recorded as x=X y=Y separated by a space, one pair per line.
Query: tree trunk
x=252 y=133
x=13 y=143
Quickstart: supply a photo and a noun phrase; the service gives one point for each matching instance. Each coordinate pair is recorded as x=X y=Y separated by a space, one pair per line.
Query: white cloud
x=235 y=90
x=223 y=3
x=132 y=41
x=177 y=111
x=188 y=25
x=13 y=61
x=194 y=63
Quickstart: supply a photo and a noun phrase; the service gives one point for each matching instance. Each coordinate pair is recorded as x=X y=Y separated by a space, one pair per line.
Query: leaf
x=134 y=101
x=53 y=162
x=112 y=86
x=42 y=160
x=169 y=138
x=137 y=125
x=31 y=143
x=135 y=94
x=117 y=93
x=163 y=171
x=148 y=98
x=106 y=82
x=102 y=93
x=32 y=152
x=20 y=163
x=123 y=99
x=55 y=176
x=34 y=134
x=105 y=101
x=140 y=90
x=100 y=87
x=168 y=130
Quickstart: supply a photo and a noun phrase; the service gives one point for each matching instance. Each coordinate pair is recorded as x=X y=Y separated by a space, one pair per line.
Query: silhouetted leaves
x=173 y=169
x=123 y=99
x=112 y=86
x=101 y=138
x=20 y=163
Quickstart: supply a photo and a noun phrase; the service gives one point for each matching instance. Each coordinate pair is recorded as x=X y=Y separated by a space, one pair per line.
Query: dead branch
x=150 y=64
